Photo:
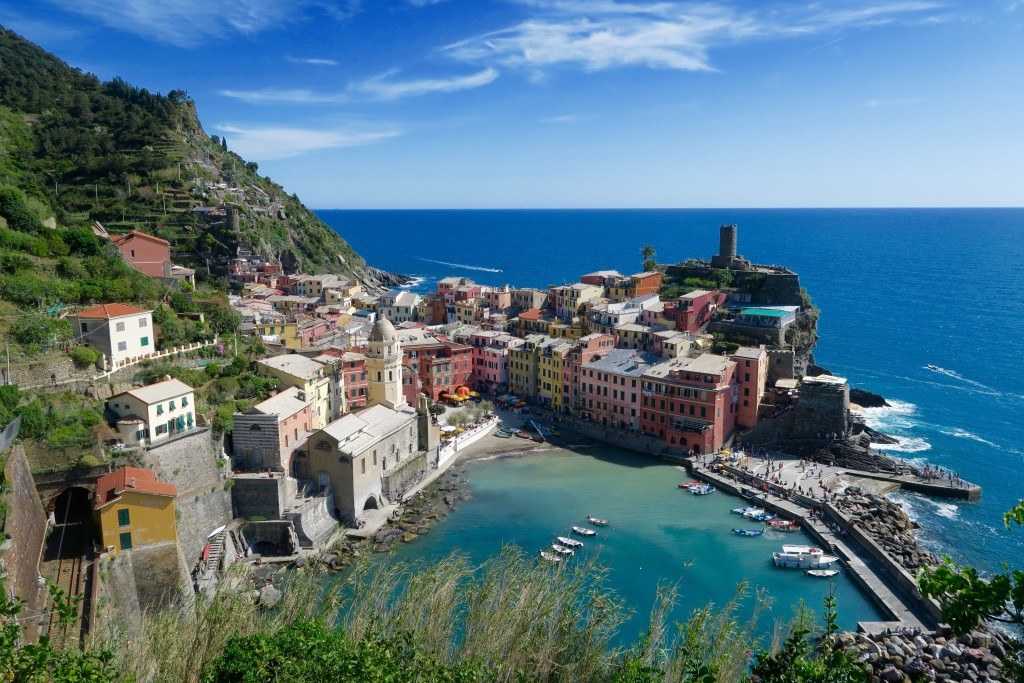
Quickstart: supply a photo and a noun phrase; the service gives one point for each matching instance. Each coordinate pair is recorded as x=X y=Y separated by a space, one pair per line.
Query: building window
x=160 y=409
x=122 y=346
x=170 y=405
x=255 y=428
x=143 y=322
x=126 y=540
x=123 y=517
x=119 y=326
x=144 y=341
x=184 y=401
x=362 y=463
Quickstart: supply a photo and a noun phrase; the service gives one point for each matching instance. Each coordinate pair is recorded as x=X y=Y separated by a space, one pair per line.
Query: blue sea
x=899 y=289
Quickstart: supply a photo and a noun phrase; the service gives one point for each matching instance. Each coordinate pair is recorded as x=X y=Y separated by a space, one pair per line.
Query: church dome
x=383 y=331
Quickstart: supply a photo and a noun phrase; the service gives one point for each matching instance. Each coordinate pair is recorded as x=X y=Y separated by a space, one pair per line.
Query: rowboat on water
x=570 y=542
x=599 y=522
x=763 y=517
x=689 y=484
x=702 y=490
x=745 y=510
x=584 y=531
x=752 y=512
x=549 y=557
x=748 y=532
x=561 y=549
x=781 y=523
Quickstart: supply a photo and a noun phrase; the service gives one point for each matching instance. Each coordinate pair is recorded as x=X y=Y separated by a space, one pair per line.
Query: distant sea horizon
x=899 y=289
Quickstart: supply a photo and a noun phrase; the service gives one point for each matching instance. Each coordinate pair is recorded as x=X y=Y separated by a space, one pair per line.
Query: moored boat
x=561 y=549
x=748 y=532
x=584 y=531
x=763 y=517
x=803 y=557
x=781 y=523
x=523 y=435
x=549 y=557
x=821 y=573
x=689 y=484
x=753 y=511
x=569 y=542
x=599 y=522
x=745 y=510
x=702 y=490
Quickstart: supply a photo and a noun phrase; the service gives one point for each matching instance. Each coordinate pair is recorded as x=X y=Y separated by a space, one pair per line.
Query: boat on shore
x=821 y=573
x=599 y=522
x=748 y=532
x=584 y=531
x=523 y=435
x=569 y=542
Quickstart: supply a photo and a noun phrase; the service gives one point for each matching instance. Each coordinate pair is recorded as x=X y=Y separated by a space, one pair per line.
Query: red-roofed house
x=120 y=332
x=133 y=509
x=147 y=254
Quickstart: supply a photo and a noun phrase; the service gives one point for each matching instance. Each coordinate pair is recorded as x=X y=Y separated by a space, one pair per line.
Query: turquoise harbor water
x=898 y=289
x=658 y=532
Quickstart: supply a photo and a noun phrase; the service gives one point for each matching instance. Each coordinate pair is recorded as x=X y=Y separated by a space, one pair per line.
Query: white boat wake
x=461 y=265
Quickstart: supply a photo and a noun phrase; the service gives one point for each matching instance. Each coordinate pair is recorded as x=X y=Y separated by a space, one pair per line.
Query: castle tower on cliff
x=727 y=257
x=384 y=366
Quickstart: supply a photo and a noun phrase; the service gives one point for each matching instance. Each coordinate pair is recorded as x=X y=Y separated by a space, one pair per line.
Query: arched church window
x=391 y=375
x=379 y=376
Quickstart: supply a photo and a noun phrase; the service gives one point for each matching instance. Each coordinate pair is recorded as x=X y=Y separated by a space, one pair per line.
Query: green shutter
x=123 y=517
x=126 y=540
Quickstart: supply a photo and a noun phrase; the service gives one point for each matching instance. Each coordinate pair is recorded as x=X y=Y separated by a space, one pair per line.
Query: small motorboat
x=702 y=490
x=502 y=434
x=753 y=511
x=787 y=529
x=763 y=517
x=562 y=550
x=821 y=573
x=599 y=522
x=549 y=557
x=524 y=435
x=803 y=557
x=584 y=531
x=777 y=523
x=570 y=542
x=748 y=532
x=934 y=368
x=689 y=484
x=749 y=508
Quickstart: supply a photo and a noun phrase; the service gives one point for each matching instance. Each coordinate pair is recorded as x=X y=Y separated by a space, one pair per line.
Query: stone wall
x=400 y=480
x=773 y=289
x=781 y=365
x=262 y=496
x=138 y=580
x=314 y=521
x=197 y=516
x=774 y=336
x=270 y=539
x=820 y=410
x=25 y=530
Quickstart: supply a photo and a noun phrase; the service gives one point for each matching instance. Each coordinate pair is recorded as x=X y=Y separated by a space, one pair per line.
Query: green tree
x=647 y=253
x=84 y=356
x=967 y=598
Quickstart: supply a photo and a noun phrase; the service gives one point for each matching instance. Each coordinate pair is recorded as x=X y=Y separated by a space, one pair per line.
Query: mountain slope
x=83 y=150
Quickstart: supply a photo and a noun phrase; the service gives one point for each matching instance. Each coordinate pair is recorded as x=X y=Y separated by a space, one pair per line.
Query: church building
x=370 y=458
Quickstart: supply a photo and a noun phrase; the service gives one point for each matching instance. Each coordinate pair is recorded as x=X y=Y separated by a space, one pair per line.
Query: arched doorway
x=370 y=504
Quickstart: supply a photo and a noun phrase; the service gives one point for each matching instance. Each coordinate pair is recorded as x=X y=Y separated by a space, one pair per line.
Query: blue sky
x=583 y=103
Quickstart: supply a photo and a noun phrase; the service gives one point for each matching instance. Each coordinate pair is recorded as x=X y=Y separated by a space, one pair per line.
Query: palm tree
x=647 y=252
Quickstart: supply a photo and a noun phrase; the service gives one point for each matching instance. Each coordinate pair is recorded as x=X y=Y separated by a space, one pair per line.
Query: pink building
x=490 y=359
x=146 y=253
x=610 y=387
x=267 y=435
x=694 y=310
x=752 y=375
x=582 y=352
x=309 y=330
x=353 y=368
x=498 y=298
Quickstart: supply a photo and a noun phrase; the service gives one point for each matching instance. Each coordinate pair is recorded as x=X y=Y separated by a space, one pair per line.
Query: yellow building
x=133 y=509
x=522 y=367
x=280 y=331
x=307 y=375
x=550 y=363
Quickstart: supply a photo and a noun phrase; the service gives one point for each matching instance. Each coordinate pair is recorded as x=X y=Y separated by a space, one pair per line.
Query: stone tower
x=384 y=366
x=726 y=256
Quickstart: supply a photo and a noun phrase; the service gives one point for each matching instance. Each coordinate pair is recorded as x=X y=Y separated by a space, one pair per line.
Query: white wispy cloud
x=379 y=88
x=566 y=118
x=383 y=88
x=601 y=34
x=895 y=101
x=425 y=3
x=264 y=143
x=316 y=61
x=188 y=23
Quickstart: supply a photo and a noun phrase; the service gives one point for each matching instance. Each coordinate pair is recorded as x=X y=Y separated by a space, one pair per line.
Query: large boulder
x=866 y=399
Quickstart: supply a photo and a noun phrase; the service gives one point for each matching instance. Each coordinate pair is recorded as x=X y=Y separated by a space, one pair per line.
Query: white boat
x=561 y=549
x=753 y=511
x=803 y=557
x=570 y=542
x=743 y=511
x=584 y=531
x=821 y=573
x=702 y=490
x=549 y=557
x=599 y=522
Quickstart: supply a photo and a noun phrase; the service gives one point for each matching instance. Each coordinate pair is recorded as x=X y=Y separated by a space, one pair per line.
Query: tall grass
x=519 y=619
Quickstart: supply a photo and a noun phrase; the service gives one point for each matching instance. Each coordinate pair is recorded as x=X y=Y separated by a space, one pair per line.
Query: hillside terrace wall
x=25 y=528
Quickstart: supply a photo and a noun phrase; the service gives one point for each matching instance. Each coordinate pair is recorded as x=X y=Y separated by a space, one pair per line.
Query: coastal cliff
x=84 y=151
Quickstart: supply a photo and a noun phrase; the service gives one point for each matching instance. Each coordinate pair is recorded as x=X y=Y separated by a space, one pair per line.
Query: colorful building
x=305 y=374
x=551 y=358
x=133 y=510
x=640 y=284
x=610 y=387
x=694 y=310
x=146 y=253
x=154 y=413
x=569 y=299
x=752 y=375
x=523 y=364
x=123 y=333
x=583 y=351
x=267 y=434
x=691 y=403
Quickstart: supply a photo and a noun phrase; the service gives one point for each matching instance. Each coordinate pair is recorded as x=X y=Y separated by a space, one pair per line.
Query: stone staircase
x=216 y=551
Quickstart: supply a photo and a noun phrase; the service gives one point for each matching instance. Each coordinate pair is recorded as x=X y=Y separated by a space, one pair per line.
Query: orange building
x=146 y=253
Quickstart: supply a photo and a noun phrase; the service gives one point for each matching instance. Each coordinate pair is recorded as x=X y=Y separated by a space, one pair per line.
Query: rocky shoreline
x=910 y=656
x=888 y=525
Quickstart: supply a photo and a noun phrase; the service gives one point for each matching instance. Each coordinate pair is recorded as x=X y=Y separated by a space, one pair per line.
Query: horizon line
x=676 y=208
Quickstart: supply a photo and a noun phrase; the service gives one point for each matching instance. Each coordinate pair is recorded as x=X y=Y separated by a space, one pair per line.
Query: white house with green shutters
x=153 y=413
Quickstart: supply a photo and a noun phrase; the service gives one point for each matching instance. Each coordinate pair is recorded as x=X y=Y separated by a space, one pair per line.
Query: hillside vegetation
x=82 y=150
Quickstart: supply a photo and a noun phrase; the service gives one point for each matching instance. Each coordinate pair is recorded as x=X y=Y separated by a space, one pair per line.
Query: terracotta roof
x=531 y=314
x=109 y=487
x=110 y=311
x=135 y=233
